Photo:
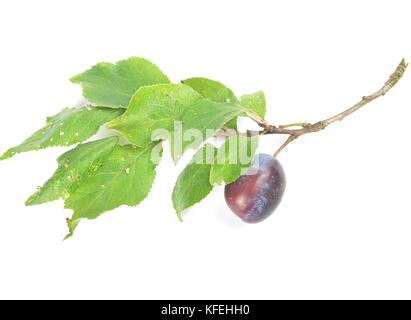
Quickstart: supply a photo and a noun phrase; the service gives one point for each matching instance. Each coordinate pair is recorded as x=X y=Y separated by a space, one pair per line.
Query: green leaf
x=174 y=112
x=66 y=128
x=233 y=159
x=211 y=89
x=74 y=167
x=193 y=184
x=72 y=225
x=214 y=91
x=208 y=117
x=112 y=85
x=255 y=102
x=209 y=166
x=154 y=108
x=124 y=177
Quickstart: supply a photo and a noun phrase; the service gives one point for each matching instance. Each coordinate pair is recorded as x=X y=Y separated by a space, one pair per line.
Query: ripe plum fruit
x=255 y=195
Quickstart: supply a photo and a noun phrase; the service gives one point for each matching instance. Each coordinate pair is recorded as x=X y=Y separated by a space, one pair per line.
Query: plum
x=255 y=195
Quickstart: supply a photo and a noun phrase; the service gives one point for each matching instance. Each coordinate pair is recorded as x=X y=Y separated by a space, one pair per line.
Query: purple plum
x=255 y=195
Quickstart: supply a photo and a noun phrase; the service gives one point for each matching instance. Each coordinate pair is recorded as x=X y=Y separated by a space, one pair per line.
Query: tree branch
x=321 y=125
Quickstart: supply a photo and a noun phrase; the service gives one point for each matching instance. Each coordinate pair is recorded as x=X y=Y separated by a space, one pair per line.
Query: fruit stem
x=290 y=138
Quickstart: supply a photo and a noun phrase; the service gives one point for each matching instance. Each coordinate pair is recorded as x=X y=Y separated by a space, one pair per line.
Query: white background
x=343 y=229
